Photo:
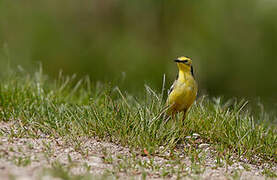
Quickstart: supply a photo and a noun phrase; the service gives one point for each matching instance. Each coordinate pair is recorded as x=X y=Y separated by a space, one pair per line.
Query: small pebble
x=188 y=137
x=204 y=146
x=195 y=135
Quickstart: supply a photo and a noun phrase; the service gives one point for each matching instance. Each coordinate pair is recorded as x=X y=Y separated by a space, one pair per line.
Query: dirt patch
x=28 y=158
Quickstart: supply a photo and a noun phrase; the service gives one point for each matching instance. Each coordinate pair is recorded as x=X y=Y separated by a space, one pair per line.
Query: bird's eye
x=185 y=61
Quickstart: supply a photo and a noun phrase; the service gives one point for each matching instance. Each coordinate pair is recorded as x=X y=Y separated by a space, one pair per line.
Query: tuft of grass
x=62 y=171
x=269 y=173
x=71 y=108
x=22 y=161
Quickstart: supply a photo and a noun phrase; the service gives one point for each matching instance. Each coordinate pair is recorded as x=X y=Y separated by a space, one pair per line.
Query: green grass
x=71 y=109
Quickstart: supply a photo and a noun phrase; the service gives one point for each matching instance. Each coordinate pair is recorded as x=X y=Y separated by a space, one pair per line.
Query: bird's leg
x=166 y=118
x=173 y=116
x=184 y=115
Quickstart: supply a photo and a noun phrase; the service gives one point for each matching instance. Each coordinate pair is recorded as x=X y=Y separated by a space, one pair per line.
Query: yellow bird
x=183 y=92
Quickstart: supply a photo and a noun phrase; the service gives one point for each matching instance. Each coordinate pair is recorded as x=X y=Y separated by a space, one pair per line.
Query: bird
x=183 y=91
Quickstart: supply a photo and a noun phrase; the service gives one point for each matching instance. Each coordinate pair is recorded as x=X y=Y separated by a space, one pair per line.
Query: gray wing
x=172 y=87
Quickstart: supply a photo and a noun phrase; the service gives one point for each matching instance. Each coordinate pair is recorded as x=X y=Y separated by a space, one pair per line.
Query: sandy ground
x=27 y=158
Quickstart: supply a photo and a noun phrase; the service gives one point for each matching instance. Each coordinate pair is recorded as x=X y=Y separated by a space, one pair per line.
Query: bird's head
x=184 y=63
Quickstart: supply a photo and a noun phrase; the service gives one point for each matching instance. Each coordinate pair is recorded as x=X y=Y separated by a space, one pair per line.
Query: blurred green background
x=232 y=43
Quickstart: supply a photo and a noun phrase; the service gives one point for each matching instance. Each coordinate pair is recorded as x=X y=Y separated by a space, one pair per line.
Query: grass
x=71 y=109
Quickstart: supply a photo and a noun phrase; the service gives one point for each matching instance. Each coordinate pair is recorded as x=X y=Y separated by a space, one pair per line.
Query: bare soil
x=28 y=158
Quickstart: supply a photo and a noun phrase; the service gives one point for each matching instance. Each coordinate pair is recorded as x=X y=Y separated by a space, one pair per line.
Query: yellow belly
x=182 y=97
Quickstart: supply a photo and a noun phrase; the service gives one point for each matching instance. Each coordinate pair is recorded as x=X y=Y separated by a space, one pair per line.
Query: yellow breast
x=183 y=94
